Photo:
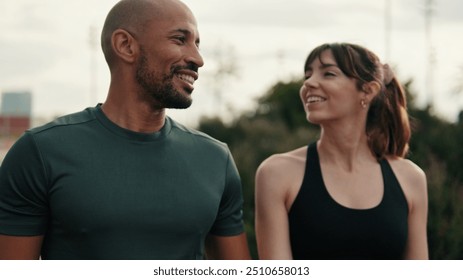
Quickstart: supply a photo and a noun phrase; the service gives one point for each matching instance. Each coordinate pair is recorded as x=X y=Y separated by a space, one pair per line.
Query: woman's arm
x=272 y=229
x=413 y=182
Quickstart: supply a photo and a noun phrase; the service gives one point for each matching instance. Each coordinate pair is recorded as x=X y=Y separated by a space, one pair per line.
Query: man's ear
x=124 y=45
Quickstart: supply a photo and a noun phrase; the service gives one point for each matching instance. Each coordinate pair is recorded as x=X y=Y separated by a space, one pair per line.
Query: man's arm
x=20 y=247
x=227 y=247
x=23 y=200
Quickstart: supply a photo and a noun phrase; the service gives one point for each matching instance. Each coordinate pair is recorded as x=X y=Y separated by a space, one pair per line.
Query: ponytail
x=388 y=127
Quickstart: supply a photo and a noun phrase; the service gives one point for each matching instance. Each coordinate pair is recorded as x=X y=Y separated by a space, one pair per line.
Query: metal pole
x=430 y=55
x=93 y=44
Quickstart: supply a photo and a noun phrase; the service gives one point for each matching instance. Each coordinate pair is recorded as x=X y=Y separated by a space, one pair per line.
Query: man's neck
x=137 y=118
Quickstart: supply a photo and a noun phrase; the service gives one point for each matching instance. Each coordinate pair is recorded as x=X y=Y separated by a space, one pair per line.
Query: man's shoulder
x=198 y=135
x=68 y=120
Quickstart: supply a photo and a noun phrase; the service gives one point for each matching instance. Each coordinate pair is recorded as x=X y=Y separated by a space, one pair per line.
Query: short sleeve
x=229 y=220
x=23 y=193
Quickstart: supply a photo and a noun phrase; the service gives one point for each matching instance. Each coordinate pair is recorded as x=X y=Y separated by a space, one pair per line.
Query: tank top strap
x=313 y=180
x=312 y=170
x=312 y=160
x=392 y=190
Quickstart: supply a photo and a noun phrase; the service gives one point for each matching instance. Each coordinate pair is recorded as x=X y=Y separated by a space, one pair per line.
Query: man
x=122 y=180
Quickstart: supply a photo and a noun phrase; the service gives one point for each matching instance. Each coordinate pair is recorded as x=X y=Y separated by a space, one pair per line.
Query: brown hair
x=388 y=127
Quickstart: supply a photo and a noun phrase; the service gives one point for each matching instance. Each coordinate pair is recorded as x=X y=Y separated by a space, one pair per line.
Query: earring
x=363 y=103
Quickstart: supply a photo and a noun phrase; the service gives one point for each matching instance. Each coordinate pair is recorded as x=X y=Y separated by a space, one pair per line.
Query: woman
x=351 y=194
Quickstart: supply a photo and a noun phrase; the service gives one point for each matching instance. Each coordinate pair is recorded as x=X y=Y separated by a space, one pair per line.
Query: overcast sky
x=45 y=47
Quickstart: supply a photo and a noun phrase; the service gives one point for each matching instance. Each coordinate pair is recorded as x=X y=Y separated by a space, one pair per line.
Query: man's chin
x=182 y=103
x=178 y=107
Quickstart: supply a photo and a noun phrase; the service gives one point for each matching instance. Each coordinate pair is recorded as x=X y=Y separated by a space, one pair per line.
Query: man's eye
x=180 y=39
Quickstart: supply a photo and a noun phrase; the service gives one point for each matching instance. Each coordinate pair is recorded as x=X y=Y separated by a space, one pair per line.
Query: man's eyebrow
x=181 y=30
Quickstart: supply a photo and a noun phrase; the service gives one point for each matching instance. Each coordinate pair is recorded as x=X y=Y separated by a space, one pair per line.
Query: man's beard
x=159 y=91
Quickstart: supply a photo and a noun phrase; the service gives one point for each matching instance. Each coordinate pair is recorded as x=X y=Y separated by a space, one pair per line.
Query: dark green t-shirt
x=98 y=191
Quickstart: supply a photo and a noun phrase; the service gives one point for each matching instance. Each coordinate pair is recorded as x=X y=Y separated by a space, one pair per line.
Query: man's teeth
x=313 y=99
x=187 y=78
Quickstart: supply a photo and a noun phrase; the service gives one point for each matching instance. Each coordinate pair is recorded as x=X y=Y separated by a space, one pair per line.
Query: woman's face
x=327 y=94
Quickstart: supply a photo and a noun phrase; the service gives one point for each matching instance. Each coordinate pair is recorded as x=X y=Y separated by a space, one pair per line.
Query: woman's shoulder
x=406 y=168
x=280 y=176
x=411 y=177
x=281 y=169
x=283 y=161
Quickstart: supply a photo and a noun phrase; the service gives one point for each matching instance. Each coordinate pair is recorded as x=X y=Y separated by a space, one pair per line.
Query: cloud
x=45 y=43
x=23 y=58
x=277 y=13
x=443 y=11
x=449 y=11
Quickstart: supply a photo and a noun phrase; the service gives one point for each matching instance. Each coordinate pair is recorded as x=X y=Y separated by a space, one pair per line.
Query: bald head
x=133 y=16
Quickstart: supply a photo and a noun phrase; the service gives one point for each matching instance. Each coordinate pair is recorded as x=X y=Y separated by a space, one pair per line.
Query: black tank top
x=321 y=228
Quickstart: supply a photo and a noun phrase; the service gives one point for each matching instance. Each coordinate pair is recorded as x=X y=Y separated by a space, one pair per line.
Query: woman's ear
x=371 y=89
x=124 y=45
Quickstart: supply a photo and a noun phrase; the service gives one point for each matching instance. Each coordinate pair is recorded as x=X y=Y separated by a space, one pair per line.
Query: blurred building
x=15 y=113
